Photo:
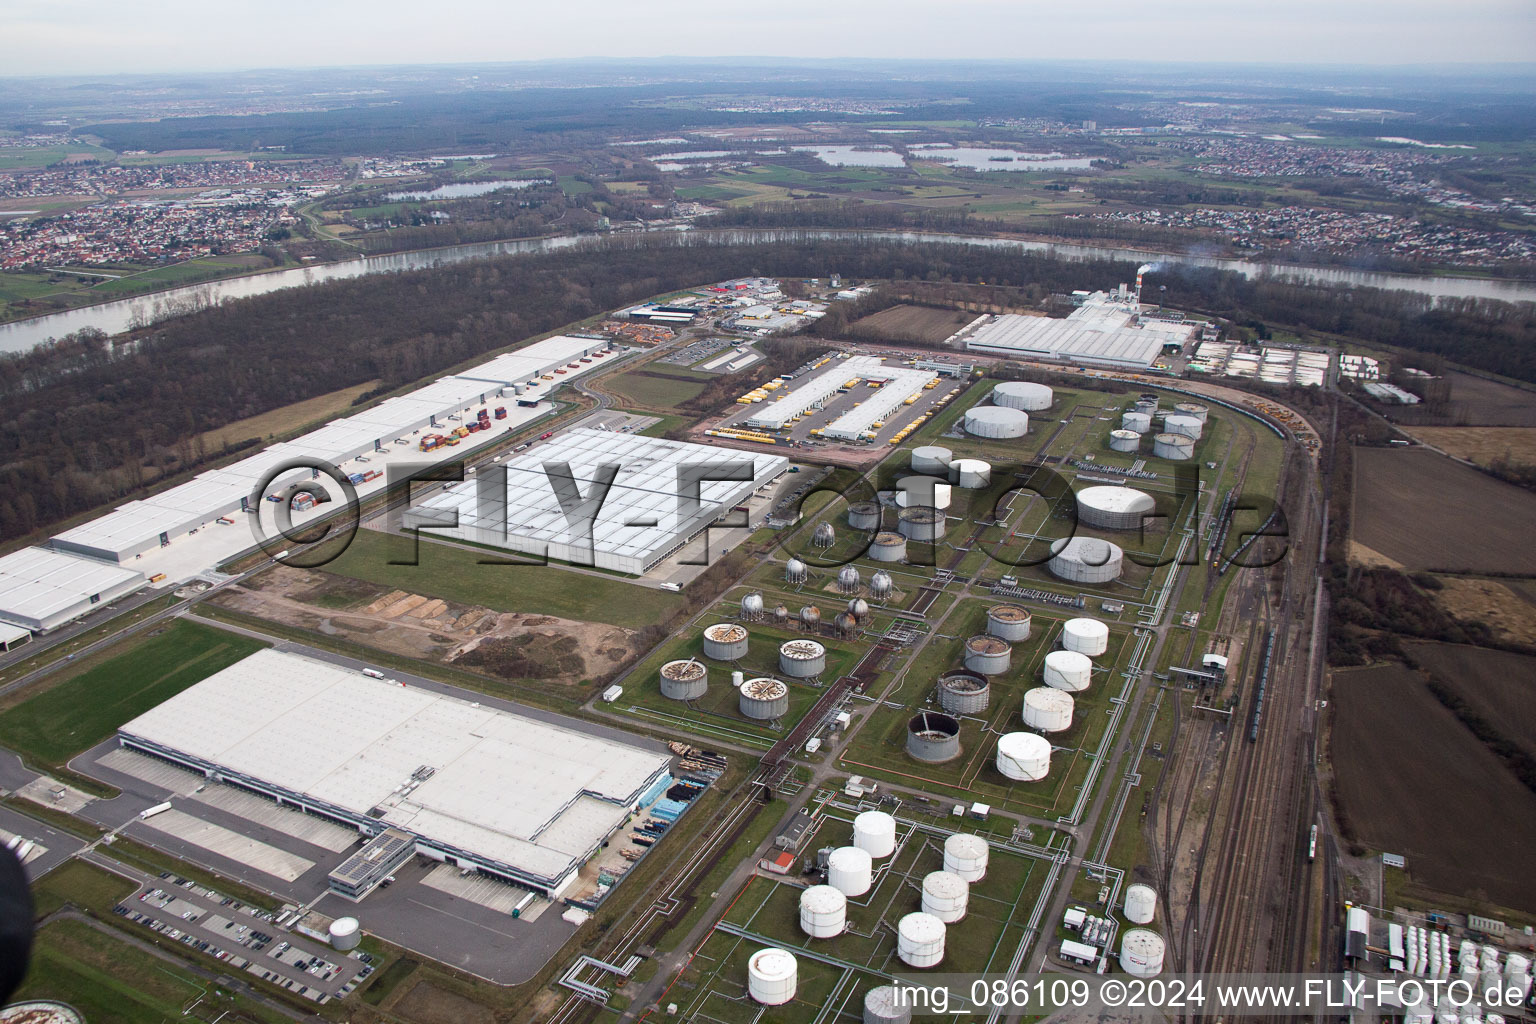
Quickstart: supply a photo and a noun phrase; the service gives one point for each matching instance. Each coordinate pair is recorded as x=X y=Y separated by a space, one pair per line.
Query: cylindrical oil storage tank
x=996 y=422
x=685 y=679
x=725 y=641
x=771 y=976
x=794 y=571
x=964 y=693
x=345 y=933
x=823 y=911
x=966 y=856
x=1195 y=409
x=1068 y=670
x=752 y=607
x=1110 y=507
x=881 y=584
x=810 y=618
x=1124 y=440
x=1147 y=405
x=874 y=832
x=1186 y=425
x=1173 y=446
x=970 y=474
x=1008 y=622
x=888 y=547
x=858 y=607
x=1024 y=756
x=931 y=460
x=924 y=491
x=1140 y=904
x=988 y=655
x=864 y=515
x=1141 y=953
x=1019 y=394
x=1048 y=709
x=825 y=536
x=945 y=896
x=919 y=523
x=1140 y=422
x=933 y=737
x=920 y=940
x=1085 y=636
x=802 y=659
x=882 y=1006
x=764 y=699
x=1085 y=560
x=848 y=580
x=850 y=871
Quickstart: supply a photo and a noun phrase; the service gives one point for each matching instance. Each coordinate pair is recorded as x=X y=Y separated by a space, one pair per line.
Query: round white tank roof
x=1088 y=550
x=920 y=927
x=823 y=899
x=1086 y=629
x=344 y=926
x=1111 y=498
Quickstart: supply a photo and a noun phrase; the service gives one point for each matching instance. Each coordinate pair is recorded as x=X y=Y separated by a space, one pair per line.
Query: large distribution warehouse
x=510 y=796
x=40 y=589
x=646 y=512
x=1103 y=331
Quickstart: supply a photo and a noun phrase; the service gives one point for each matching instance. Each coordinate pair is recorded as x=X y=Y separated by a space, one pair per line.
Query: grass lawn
x=455 y=574
x=658 y=387
x=82 y=884
x=83 y=710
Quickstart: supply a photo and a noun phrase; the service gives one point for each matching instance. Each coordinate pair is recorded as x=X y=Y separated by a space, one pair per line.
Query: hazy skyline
x=97 y=37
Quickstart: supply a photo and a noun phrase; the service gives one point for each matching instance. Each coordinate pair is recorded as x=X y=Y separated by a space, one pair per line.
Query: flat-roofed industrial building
x=1103 y=331
x=510 y=796
x=41 y=589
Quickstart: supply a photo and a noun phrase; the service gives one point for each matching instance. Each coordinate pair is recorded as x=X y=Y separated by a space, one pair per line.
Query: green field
x=85 y=709
x=454 y=574
x=658 y=387
x=42 y=156
x=79 y=883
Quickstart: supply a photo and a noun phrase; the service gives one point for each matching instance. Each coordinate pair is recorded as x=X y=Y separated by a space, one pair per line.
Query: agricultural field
x=1420 y=510
x=1397 y=754
x=1507 y=608
x=1499 y=686
x=1474 y=402
x=911 y=324
x=83 y=709
x=1482 y=445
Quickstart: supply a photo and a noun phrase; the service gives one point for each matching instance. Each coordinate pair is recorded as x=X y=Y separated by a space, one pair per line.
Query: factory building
x=513 y=797
x=900 y=385
x=41 y=590
x=1105 y=330
x=644 y=516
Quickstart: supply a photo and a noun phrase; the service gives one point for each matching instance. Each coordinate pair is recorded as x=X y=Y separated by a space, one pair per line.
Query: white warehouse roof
x=508 y=790
x=773 y=415
x=527 y=363
x=639 y=521
x=1098 y=331
x=41 y=589
x=901 y=384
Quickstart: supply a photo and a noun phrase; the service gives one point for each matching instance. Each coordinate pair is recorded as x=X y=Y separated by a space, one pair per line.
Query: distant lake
x=854 y=156
x=983 y=159
x=463 y=190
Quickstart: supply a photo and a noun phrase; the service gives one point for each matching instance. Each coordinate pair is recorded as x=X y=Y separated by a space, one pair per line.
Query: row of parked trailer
x=20 y=847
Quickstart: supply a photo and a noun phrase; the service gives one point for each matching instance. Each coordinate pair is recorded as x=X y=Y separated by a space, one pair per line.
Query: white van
x=373 y=673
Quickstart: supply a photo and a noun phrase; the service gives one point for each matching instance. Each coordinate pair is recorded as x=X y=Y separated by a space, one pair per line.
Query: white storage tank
x=1024 y=756
x=964 y=693
x=1141 y=953
x=1086 y=636
x=686 y=679
x=882 y=1006
x=920 y=940
x=794 y=571
x=970 y=474
x=802 y=659
x=1048 y=709
x=1114 y=508
x=923 y=492
x=764 y=699
x=996 y=422
x=1071 y=671
x=945 y=896
x=932 y=460
x=780 y=615
x=1026 y=395
x=823 y=911
x=881 y=584
x=888 y=547
x=1124 y=440
x=1085 y=560
x=345 y=933
x=1173 y=446
x=874 y=832
x=920 y=523
x=1140 y=422
x=1186 y=425
x=1008 y=622
x=1195 y=409
x=725 y=641
x=752 y=607
x=988 y=655
x=858 y=607
x=848 y=580
x=849 y=870
x=966 y=855
x=933 y=737
x=824 y=536
x=864 y=515
x=771 y=976
x=1140 y=904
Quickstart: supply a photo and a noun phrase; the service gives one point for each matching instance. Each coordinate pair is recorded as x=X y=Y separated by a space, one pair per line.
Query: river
x=125 y=314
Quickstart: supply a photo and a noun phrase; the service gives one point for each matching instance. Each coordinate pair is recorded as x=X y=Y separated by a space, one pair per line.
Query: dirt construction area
x=912 y=324
x=1421 y=510
x=505 y=645
x=1412 y=780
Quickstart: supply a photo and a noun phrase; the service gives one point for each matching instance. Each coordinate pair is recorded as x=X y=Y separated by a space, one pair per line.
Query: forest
x=130 y=415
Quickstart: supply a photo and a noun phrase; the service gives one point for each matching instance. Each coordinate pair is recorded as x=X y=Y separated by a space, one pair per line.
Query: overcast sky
x=97 y=36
